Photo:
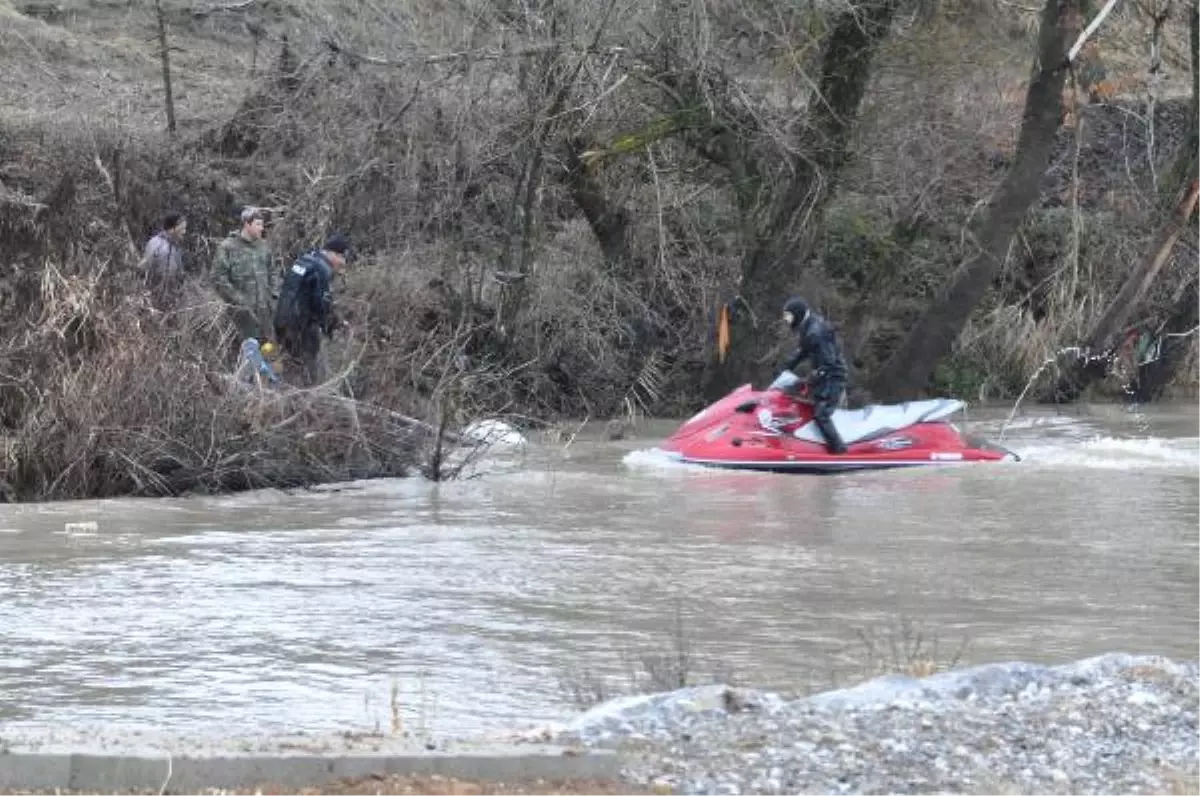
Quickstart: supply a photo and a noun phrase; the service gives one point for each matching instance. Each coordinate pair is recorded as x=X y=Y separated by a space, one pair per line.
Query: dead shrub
x=130 y=405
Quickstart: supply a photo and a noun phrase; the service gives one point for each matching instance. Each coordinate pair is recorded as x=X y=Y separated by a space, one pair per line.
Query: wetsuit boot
x=828 y=395
x=833 y=440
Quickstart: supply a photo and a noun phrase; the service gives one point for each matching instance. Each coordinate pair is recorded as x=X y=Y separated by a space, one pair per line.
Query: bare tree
x=784 y=228
x=555 y=79
x=779 y=205
x=910 y=368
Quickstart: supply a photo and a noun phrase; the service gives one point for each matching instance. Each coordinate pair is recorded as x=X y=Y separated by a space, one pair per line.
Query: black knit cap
x=338 y=244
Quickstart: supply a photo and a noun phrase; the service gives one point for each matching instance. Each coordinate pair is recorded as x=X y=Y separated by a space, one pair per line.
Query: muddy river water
x=475 y=600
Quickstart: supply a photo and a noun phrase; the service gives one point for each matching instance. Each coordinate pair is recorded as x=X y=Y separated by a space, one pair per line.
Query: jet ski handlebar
x=788 y=382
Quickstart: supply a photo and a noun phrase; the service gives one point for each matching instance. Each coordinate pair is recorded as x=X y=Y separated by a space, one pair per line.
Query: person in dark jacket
x=818 y=342
x=305 y=311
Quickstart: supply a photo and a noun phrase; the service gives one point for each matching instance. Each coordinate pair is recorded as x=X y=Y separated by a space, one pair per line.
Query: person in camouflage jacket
x=245 y=279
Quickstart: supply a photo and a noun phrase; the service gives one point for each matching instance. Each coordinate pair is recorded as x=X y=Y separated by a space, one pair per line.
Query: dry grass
x=895 y=646
x=667 y=663
x=115 y=401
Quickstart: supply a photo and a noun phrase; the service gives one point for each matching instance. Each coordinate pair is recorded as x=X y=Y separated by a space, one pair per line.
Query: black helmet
x=798 y=307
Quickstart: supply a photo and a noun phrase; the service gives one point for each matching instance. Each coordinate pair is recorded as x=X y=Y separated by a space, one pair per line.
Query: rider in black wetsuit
x=817 y=340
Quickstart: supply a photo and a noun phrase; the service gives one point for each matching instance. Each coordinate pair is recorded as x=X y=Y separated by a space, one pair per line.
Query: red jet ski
x=773 y=430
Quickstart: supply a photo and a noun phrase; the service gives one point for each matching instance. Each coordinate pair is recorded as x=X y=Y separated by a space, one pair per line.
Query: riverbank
x=1110 y=724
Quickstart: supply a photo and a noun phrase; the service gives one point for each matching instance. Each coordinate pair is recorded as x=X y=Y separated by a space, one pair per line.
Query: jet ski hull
x=772 y=431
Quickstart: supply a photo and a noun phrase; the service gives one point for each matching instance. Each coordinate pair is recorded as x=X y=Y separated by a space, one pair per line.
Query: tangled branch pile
x=102 y=397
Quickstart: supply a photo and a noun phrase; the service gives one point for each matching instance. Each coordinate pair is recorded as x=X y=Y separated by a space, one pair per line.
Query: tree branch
x=1089 y=30
x=216 y=9
x=473 y=55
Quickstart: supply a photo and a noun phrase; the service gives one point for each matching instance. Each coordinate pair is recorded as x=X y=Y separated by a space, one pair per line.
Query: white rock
x=1142 y=698
x=496 y=433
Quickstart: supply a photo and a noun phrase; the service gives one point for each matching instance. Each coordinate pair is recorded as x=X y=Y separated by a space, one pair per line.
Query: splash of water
x=1085 y=358
x=658 y=460
x=1156 y=350
x=1081 y=354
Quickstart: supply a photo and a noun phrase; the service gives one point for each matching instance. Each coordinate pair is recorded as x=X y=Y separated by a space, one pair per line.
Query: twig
x=578 y=428
x=1152 y=86
x=13 y=198
x=1076 y=217
x=315 y=394
x=379 y=411
x=473 y=55
x=214 y=9
x=662 y=233
x=1188 y=333
x=593 y=104
x=170 y=770
x=1089 y=30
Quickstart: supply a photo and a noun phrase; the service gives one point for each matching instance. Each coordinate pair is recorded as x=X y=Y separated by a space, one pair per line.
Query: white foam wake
x=656 y=460
x=1113 y=453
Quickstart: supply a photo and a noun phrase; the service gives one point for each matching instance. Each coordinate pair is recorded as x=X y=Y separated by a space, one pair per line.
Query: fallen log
x=319 y=395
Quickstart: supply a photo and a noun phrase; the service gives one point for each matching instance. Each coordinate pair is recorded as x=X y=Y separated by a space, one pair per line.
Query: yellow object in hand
x=269 y=349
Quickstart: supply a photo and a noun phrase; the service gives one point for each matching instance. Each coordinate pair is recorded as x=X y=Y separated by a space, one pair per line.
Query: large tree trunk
x=932 y=338
x=779 y=244
x=608 y=220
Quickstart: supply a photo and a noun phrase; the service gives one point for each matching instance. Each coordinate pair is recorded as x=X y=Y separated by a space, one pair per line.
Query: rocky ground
x=1113 y=724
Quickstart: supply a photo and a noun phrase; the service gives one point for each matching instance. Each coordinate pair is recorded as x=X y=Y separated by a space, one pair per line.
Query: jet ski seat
x=875 y=421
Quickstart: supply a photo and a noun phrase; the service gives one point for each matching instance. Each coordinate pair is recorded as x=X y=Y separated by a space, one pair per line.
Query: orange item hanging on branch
x=723 y=333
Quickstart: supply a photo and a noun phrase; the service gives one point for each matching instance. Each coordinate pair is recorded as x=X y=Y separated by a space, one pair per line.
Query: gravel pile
x=1112 y=724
